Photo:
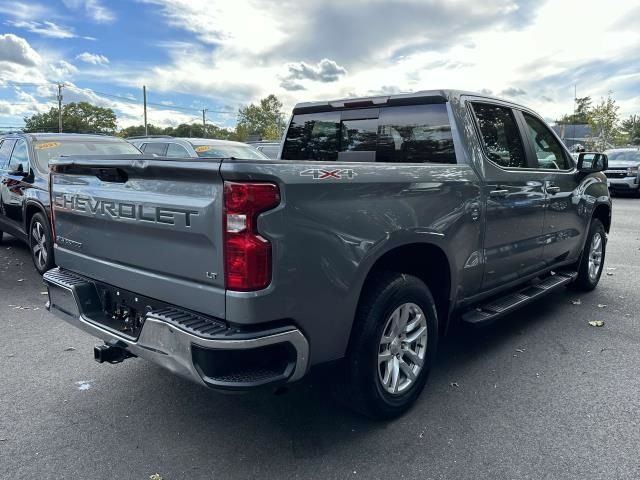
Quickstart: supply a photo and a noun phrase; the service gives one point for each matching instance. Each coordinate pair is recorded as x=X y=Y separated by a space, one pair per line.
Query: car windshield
x=46 y=150
x=228 y=151
x=625 y=156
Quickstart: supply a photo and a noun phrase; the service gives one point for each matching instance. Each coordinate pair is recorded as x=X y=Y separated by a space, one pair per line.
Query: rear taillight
x=52 y=218
x=247 y=254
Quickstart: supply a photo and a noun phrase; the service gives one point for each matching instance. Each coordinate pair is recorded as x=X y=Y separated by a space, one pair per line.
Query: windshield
x=45 y=151
x=624 y=156
x=228 y=151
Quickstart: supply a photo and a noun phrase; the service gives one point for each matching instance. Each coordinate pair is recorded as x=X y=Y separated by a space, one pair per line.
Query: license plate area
x=123 y=311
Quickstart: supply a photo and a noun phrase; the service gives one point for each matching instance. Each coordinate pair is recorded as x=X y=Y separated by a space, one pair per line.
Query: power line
x=138 y=101
x=11 y=83
x=88 y=91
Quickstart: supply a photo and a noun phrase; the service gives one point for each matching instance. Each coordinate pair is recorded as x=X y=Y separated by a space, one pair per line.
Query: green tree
x=185 y=130
x=137 y=130
x=194 y=130
x=603 y=120
x=264 y=120
x=213 y=131
x=581 y=115
x=630 y=127
x=79 y=117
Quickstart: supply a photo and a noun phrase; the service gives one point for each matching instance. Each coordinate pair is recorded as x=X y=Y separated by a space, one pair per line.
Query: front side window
x=177 y=151
x=549 y=152
x=403 y=134
x=5 y=152
x=500 y=135
x=19 y=158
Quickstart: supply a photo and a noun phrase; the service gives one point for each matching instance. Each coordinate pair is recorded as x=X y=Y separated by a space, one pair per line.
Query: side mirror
x=589 y=162
x=19 y=172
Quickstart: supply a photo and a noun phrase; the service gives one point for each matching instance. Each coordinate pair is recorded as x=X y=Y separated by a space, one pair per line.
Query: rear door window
x=500 y=135
x=156 y=148
x=177 y=151
x=403 y=134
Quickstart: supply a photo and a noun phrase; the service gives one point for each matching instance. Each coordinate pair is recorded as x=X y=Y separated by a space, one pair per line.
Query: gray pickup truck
x=384 y=221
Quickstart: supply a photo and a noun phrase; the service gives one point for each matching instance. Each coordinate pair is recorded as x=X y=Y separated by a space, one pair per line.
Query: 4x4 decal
x=321 y=174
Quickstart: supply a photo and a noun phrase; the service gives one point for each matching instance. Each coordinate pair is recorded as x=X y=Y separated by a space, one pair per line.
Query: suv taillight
x=247 y=254
x=52 y=210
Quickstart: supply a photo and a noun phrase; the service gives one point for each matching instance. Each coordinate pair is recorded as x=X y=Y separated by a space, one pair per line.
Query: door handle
x=498 y=193
x=551 y=188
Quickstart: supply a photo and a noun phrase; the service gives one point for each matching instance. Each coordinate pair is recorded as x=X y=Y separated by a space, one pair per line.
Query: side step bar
x=494 y=308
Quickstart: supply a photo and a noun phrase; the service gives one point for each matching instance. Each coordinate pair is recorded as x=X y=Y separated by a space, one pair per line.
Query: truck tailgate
x=153 y=227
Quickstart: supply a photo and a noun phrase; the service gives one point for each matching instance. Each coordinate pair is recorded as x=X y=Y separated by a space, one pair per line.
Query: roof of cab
x=414 y=98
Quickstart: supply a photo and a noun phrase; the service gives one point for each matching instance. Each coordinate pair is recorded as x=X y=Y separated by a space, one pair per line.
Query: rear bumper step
x=497 y=307
x=199 y=348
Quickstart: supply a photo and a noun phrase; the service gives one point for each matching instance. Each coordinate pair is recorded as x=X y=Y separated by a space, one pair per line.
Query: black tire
x=586 y=281
x=364 y=387
x=1 y=235
x=40 y=243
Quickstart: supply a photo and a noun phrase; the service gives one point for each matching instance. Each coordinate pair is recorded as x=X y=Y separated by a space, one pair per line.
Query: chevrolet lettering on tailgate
x=126 y=210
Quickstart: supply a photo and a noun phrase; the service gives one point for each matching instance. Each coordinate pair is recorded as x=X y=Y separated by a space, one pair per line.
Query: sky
x=221 y=55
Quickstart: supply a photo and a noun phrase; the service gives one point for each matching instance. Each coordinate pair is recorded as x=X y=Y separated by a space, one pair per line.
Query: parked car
x=24 y=185
x=270 y=149
x=174 y=147
x=623 y=173
x=386 y=220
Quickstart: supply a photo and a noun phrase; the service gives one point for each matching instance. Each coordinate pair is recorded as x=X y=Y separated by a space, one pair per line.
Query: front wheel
x=393 y=346
x=592 y=259
x=40 y=243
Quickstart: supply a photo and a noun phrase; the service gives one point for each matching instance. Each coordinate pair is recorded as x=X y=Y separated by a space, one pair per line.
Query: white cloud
x=62 y=70
x=324 y=71
x=93 y=58
x=94 y=9
x=237 y=52
x=241 y=25
x=14 y=49
x=23 y=11
x=45 y=28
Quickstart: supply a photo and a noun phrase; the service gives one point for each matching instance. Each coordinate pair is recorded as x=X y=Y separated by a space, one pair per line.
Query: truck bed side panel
x=328 y=232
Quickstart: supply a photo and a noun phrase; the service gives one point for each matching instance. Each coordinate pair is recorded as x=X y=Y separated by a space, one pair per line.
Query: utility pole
x=60 y=85
x=575 y=99
x=204 y=122
x=144 y=96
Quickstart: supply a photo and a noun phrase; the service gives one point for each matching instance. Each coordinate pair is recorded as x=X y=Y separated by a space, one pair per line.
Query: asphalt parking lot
x=541 y=394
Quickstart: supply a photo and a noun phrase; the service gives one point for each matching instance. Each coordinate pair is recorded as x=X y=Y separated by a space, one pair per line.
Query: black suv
x=24 y=186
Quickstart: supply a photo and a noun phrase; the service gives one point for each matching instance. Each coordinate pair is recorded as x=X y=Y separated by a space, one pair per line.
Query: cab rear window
x=403 y=134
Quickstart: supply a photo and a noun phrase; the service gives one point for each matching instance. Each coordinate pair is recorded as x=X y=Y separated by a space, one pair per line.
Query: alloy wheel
x=39 y=245
x=595 y=256
x=402 y=348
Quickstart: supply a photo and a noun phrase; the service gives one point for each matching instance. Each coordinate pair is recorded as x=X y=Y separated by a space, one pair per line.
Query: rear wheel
x=592 y=259
x=40 y=243
x=393 y=346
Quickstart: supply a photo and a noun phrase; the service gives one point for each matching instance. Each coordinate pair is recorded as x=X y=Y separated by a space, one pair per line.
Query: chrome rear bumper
x=281 y=355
